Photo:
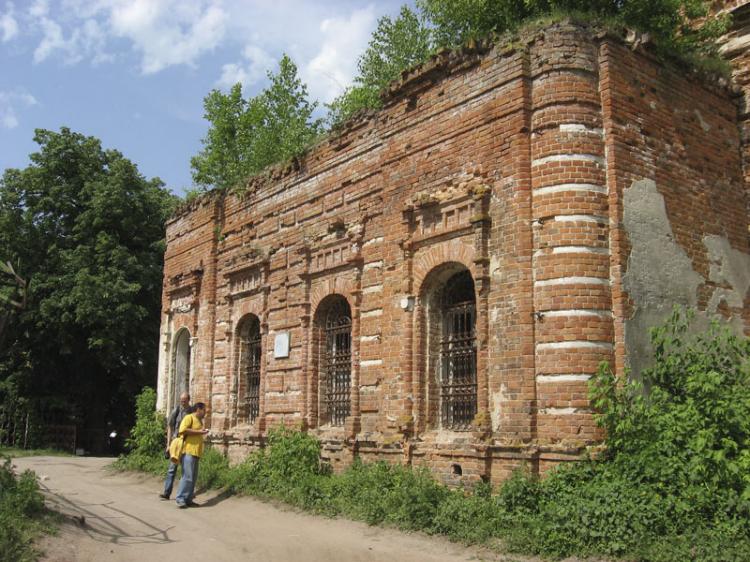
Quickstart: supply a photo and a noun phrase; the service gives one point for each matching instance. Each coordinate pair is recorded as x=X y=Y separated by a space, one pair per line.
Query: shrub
x=21 y=513
x=212 y=469
x=671 y=485
x=147 y=438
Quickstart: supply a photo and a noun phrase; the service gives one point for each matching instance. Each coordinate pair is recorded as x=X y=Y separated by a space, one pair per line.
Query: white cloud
x=258 y=63
x=8 y=24
x=9 y=102
x=324 y=38
x=334 y=66
x=168 y=32
x=87 y=40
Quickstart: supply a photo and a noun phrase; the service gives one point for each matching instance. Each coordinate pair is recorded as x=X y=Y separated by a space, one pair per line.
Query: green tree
x=396 y=44
x=675 y=26
x=86 y=229
x=672 y=24
x=246 y=135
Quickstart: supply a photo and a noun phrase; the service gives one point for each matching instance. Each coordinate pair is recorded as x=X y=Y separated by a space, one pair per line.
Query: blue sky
x=134 y=72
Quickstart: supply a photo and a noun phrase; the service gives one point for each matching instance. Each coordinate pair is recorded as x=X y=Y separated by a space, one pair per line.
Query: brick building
x=436 y=283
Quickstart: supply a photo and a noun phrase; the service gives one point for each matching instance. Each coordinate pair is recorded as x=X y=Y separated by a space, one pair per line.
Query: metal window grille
x=252 y=358
x=338 y=362
x=458 y=360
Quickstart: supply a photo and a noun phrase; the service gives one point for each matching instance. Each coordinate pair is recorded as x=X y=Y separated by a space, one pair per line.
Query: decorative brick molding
x=584 y=186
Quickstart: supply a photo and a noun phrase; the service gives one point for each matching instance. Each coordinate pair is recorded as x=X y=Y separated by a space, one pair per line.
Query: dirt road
x=123 y=520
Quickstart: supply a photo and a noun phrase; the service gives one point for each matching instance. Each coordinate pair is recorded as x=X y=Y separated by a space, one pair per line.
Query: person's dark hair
x=199 y=406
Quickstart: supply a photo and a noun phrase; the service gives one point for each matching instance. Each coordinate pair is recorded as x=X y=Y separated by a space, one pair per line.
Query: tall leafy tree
x=246 y=135
x=86 y=231
x=396 y=44
x=674 y=25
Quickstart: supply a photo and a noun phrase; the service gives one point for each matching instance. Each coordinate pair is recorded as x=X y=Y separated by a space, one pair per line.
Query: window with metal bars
x=458 y=355
x=337 y=363
x=249 y=365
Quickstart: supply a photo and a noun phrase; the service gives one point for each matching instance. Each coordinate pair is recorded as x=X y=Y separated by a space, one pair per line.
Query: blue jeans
x=186 y=488
x=169 y=481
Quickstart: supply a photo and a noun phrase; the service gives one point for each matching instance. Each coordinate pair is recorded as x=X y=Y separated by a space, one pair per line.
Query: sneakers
x=164 y=496
x=182 y=505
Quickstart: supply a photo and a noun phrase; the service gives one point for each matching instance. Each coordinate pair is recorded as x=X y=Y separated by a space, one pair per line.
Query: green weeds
x=22 y=514
x=672 y=484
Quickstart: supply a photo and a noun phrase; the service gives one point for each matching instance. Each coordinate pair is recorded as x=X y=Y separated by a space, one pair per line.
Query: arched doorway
x=249 y=361
x=180 y=367
x=450 y=337
x=333 y=326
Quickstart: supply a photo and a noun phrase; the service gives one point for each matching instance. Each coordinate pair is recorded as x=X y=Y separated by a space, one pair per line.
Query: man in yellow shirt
x=191 y=428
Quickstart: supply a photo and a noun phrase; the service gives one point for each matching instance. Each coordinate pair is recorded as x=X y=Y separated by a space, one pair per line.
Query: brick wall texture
x=510 y=162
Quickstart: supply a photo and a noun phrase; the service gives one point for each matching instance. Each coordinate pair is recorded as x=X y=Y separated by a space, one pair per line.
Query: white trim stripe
x=374 y=312
x=561 y=378
x=577 y=344
x=568 y=158
x=373 y=265
x=572 y=281
x=371 y=363
x=372 y=289
x=581 y=218
x=572 y=250
x=580 y=250
x=375 y=337
x=562 y=187
x=376 y=240
x=577 y=312
x=562 y=411
x=579 y=128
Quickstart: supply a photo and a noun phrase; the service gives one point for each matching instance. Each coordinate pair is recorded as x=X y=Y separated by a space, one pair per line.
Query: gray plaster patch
x=704 y=125
x=660 y=273
x=730 y=269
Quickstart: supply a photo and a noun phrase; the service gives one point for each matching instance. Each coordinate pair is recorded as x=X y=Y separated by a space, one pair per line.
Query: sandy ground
x=118 y=517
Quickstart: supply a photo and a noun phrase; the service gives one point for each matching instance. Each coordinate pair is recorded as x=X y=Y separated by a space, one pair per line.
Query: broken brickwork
x=515 y=215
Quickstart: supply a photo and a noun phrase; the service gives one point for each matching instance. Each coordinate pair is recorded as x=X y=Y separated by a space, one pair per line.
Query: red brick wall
x=509 y=163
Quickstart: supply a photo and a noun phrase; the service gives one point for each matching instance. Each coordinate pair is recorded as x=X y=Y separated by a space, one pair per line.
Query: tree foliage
x=86 y=230
x=410 y=38
x=671 y=23
x=396 y=44
x=246 y=135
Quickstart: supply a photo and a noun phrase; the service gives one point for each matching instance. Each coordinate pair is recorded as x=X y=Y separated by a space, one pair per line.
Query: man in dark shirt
x=173 y=425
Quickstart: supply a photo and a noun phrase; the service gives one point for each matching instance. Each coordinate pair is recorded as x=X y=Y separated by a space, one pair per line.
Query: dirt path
x=125 y=520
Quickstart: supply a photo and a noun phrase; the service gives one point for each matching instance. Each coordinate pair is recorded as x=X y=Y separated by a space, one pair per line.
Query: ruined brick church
x=435 y=284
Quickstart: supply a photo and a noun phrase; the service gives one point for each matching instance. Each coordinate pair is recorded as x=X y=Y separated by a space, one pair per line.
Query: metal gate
x=252 y=355
x=338 y=362
x=458 y=360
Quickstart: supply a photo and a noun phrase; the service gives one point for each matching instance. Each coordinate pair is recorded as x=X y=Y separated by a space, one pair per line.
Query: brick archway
x=440 y=254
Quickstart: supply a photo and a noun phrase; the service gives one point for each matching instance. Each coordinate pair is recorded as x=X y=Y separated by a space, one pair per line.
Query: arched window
x=180 y=367
x=248 y=365
x=334 y=322
x=448 y=320
x=458 y=354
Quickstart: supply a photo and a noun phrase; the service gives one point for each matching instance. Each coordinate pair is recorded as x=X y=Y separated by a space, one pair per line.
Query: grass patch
x=23 y=516
x=672 y=485
x=15 y=453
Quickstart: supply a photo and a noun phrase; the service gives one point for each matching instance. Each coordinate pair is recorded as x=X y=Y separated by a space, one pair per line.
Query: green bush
x=21 y=513
x=146 y=442
x=672 y=484
x=211 y=470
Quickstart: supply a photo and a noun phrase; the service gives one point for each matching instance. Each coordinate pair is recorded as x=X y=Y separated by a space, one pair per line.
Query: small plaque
x=281 y=345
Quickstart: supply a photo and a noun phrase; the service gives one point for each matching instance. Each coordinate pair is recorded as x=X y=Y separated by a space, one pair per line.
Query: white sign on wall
x=281 y=345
